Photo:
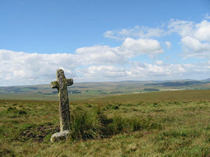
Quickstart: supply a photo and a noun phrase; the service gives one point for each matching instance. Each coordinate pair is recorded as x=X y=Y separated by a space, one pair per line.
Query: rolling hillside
x=99 y=89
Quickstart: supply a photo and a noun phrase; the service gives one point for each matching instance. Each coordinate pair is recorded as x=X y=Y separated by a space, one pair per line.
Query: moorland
x=113 y=119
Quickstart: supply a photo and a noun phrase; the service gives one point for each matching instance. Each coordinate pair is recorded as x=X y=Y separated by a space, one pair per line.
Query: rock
x=58 y=136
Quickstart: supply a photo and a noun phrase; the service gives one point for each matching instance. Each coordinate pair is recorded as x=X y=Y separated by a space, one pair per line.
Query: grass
x=151 y=124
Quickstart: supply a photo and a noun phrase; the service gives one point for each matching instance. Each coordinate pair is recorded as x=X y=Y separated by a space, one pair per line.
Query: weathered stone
x=58 y=136
x=61 y=85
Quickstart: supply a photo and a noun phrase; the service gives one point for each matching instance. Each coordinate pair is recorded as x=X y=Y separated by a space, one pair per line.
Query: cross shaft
x=61 y=84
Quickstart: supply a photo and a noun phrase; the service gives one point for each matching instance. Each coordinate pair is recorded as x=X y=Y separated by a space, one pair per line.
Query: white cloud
x=183 y=28
x=159 y=62
x=202 y=31
x=103 y=62
x=103 y=72
x=111 y=34
x=207 y=16
x=136 y=32
x=118 y=55
x=195 y=38
x=24 y=68
x=100 y=55
x=144 y=71
x=199 y=32
x=194 y=48
x=168 y=44
x=132 y=47
x=34 y=68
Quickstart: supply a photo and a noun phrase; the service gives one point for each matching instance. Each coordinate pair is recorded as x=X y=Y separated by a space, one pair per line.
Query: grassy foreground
x=149 y=124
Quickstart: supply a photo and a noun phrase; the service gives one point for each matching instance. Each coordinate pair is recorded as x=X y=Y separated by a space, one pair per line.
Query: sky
x=103 y=40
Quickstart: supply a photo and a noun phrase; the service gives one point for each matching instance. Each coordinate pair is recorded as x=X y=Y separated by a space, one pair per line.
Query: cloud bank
x=123 y=62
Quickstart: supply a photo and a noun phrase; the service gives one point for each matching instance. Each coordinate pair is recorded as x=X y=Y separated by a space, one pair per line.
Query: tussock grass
x=94 y=124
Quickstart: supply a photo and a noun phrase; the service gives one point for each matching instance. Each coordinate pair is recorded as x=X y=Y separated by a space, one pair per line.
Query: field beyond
x=170 y=123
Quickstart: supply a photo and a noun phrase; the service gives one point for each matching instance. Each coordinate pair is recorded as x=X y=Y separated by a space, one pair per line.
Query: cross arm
x=69 y=82
x=54 y=84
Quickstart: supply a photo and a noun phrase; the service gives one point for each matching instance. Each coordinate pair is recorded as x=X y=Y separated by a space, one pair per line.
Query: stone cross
x=61 y=84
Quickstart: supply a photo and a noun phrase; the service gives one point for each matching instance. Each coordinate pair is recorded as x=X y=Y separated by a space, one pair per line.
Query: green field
x=171 y=123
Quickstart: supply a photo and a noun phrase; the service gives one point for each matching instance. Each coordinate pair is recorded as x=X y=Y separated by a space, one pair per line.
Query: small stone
x=58 y=136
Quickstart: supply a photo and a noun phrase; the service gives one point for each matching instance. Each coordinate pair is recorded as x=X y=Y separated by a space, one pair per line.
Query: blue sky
x=95 y=40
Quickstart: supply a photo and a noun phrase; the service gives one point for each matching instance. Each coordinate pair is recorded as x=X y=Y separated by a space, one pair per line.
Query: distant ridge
x=206 y=80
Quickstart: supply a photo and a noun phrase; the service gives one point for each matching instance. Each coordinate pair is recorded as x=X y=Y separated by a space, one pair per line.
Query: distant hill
x=177 y=83
x=88 y=90
x=206 y=80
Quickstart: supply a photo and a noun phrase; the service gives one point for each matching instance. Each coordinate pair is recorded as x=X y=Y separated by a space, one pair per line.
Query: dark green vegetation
x=93 y=90
x=174 y=123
